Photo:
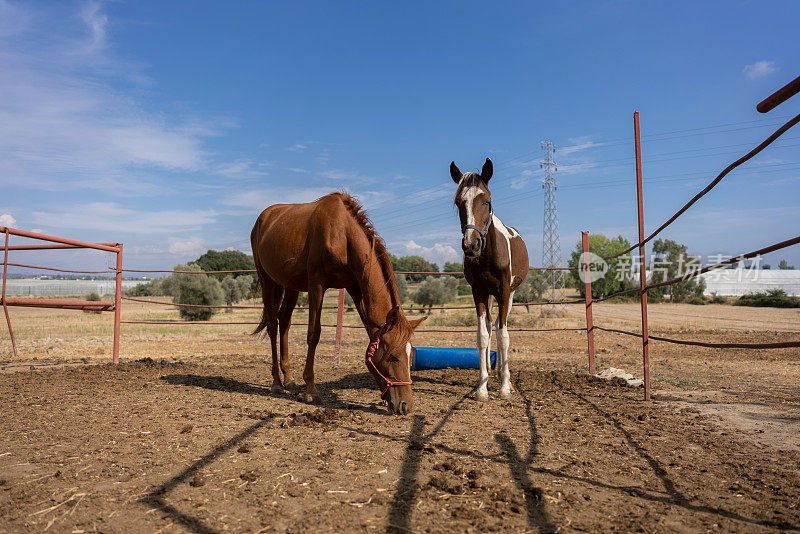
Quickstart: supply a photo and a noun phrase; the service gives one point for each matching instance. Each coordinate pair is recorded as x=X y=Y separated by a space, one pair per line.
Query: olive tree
x=436 y=292
x=236 y=289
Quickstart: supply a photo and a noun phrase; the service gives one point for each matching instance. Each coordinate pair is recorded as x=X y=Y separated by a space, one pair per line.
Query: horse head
x=474 y=202
x=389 y=360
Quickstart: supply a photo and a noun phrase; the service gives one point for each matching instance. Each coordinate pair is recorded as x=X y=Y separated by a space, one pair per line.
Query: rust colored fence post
x=5 y=306
x=642 y=271
x=117 y=302
x=587 y=284
x=337 y=353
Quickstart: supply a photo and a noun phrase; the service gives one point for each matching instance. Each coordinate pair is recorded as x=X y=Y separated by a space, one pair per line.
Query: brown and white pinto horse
x=495 y=264
x=331 y=243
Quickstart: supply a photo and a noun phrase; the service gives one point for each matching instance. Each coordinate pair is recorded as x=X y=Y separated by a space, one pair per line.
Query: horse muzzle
x=400 y=401
x=472 y=244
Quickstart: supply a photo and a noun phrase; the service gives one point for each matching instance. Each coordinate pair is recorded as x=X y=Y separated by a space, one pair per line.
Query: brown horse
x=331 y=243
x=495 y=264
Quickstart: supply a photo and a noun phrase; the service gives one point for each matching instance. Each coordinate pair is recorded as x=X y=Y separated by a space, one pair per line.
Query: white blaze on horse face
x=408 y=353
x=468 y=198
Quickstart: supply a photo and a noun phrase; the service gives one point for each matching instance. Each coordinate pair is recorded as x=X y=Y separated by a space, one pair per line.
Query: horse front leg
x=315 y=294
x=484 y=340
x=504 y=304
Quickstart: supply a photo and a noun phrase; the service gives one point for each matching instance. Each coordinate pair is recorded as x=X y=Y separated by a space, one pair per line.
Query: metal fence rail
x=61 y=243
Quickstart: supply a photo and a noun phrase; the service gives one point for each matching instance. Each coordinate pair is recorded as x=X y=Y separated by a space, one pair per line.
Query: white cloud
x=116 y=218
x=759 y=69
x=522 y=181
x=260 y=199
x=439 y=253
x=242 y=168
x=63 y=126
x=298 y=170
x=7 y=220
x=96 y=21
x=576 y=168
x=194 y=246
x=297 y=148
x=578 y=144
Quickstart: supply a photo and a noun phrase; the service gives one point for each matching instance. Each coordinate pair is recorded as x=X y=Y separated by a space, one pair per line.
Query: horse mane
x=468 y=179
x=379 y=247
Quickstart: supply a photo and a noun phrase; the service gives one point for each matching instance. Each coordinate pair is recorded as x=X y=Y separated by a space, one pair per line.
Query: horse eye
x=392 y=359
x=486 y=203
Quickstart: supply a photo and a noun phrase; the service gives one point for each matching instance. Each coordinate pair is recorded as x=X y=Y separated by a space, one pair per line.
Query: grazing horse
x=495 y=264
x=331 y=243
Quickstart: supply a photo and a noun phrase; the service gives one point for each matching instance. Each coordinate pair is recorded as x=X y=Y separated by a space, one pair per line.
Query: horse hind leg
x=284 y=323
x=271 y=293
x=503 y=341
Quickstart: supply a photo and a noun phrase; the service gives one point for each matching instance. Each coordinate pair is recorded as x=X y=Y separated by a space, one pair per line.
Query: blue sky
x=169 y=126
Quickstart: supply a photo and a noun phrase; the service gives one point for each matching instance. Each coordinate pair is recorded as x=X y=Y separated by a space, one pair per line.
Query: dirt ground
x=189 y=439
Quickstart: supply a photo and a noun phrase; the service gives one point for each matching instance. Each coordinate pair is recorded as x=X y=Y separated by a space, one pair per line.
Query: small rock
x=186 y=429
x=197 y=481
x=249 y=476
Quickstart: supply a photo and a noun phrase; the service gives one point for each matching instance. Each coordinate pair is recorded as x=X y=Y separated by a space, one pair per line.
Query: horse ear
x=416 y=322
x=455 y=174
x=394 y=317
x=486 y=171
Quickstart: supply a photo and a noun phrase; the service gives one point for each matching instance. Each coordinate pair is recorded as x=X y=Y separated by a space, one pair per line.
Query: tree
x=199 y=289
x=413 y=263
x=236 y=289
x=225 y=260
x=93 y=297
x=451 y=283
x=618 y=276
x=784 y=266
x=766 y=267
x=454 y=267
x=435 y=292
x=532 y=288
x=169 y=284
x=671 y=262
x=153 y=288
x=402 y=286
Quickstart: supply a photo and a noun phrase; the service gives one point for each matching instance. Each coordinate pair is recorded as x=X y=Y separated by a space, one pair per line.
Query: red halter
x=383 y=383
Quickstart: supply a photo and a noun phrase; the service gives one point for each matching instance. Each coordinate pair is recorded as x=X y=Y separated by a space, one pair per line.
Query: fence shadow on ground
x=157 y=497
x=418 y=442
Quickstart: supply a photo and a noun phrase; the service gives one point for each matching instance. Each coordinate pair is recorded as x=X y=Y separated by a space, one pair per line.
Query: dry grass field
x=188 y=438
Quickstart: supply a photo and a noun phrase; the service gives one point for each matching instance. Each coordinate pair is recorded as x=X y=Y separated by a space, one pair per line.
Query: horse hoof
x=291 y=387
x=276 y=389
x=309 y=399
x=481 y=396
x=505 y=395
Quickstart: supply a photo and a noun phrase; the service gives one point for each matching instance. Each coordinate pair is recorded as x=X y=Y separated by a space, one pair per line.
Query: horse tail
x=262 y=275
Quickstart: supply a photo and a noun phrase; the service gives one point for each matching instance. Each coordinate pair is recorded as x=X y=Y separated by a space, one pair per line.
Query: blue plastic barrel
x=443 y=357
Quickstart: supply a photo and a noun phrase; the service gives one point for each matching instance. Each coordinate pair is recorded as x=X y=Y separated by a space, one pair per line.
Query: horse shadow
x=328 y=390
